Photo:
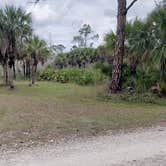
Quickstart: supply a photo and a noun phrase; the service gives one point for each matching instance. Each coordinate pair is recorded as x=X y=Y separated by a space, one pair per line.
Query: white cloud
x=12 y=2
x=50 y=13
x=44 y=14
x=58 y=21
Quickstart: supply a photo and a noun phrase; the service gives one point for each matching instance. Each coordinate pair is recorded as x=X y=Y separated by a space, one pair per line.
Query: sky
x=57 y=21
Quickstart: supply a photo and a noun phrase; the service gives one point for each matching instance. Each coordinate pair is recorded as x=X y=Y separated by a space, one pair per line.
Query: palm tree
x=15 y=24
x=158 y=19
x=146 y=41
x=139 y=43
x=37 y=51
x=159 y=57
x=3 y=47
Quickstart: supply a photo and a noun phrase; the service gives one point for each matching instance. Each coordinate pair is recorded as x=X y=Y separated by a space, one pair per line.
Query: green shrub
x=141 y=81
x=106 y=68
x=72 y=75
x=163 y=88
x=145 y=80
x=126 y=76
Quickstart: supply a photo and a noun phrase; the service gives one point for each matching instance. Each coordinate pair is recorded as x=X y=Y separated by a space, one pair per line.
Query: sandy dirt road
x=146 y=147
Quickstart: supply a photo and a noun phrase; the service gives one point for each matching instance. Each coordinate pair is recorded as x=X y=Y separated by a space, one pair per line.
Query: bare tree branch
x=131 y=4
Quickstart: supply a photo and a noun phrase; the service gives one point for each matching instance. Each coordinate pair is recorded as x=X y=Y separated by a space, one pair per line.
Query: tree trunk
x=119 y=48
x=33 y=74
x=5 y=74
x=11 y=75
x=28 y=68
x=24 y=69
x=14 y=71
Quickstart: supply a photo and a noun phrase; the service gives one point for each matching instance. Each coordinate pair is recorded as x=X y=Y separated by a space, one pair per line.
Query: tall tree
x=37 y=51
x=15 y=23
x=115 y=85
x=86 y=36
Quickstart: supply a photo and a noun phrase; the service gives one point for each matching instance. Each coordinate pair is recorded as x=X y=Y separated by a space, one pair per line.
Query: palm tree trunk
x=11 y=72
x=11 y=76
x=119 y=48
x=24 y=69
x=14 y=71
x=28 y=69
x=33 y=75
x=5 y=75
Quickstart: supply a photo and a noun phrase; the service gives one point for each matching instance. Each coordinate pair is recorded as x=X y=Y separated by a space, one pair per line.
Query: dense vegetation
x=146 y=49
x=144 y=66
x=73 y=75
x=17 y=43
x=144 y=63
x=73 y=96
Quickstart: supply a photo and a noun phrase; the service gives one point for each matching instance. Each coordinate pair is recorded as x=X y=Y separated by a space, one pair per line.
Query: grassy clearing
x=49 y=109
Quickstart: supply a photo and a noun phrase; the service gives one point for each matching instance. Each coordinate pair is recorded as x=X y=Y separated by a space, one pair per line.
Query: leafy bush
x=141 y=81
x=106 y=68
x=126 y=73
x=73 y=75
x=163 y=88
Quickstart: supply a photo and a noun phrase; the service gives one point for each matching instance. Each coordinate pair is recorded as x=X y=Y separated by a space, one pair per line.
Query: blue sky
x=57 y=21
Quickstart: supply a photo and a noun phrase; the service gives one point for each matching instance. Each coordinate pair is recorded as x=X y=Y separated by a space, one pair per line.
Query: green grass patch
x=51 y=108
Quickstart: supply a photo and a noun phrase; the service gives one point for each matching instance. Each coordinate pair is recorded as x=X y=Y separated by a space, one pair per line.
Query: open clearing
x=138 y=148
x=49 y=112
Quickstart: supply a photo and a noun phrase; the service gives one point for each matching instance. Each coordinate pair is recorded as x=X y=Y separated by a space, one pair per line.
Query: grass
x=50 y=109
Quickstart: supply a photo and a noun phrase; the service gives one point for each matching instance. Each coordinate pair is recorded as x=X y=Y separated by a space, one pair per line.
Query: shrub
x=163 y=88
x=141 y=81
x=145 y=80
x=106 y=68
x=72 y=75
x=126 y=76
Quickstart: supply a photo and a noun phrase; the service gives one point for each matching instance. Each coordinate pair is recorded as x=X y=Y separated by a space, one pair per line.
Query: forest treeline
x=144 y=66
x=18 y=44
